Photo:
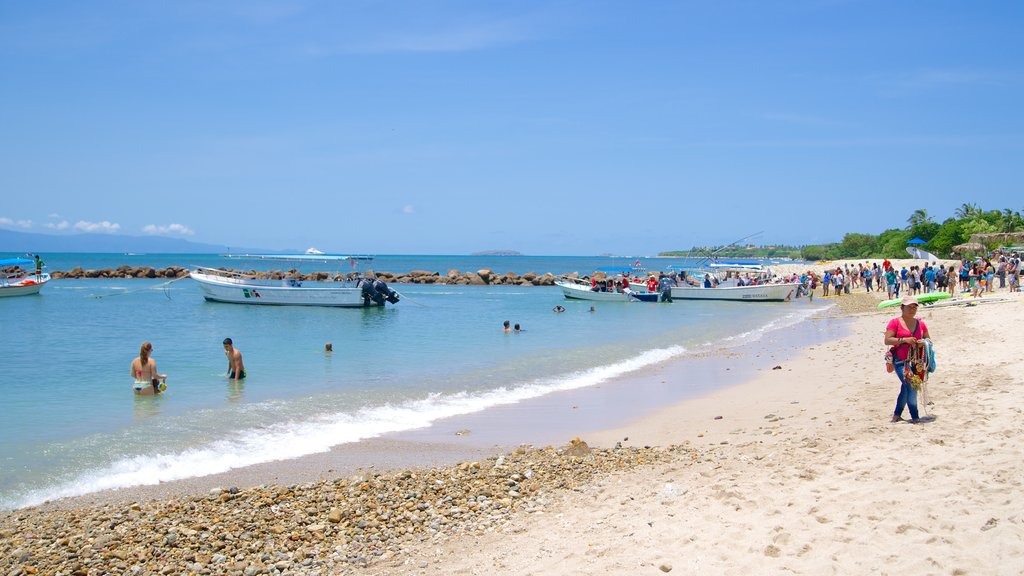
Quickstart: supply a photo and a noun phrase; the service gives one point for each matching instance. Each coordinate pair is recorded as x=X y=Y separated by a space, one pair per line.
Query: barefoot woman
x=903 y=333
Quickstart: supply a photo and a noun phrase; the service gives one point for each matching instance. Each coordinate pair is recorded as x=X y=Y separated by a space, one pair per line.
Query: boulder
x=485 y=275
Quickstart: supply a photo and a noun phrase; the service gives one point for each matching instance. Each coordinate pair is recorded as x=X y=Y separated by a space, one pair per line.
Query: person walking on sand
x=236 y=369
x=147 y=381
x=905 y=333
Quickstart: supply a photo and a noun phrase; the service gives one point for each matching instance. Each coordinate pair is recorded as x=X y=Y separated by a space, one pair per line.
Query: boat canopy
x=16 y=262
x=752 y=267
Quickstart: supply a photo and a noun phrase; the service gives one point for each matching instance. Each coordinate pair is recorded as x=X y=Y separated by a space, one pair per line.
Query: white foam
x=294 y=439
x=779 y=323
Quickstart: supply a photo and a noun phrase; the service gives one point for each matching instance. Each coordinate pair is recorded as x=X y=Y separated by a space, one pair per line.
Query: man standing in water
x=236 y=369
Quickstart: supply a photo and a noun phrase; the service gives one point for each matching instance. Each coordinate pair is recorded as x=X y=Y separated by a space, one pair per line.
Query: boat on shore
x=18 y=279
x=228 y=286
x=604 y=289
x=733 y=283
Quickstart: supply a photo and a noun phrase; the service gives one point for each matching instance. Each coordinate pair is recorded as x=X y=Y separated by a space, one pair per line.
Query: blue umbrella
x=917 y=241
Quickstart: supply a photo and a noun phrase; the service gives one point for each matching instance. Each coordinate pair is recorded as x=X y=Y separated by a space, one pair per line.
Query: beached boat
x=18 y=278
x=727 y=284
x=583 y=289
x=239 y=288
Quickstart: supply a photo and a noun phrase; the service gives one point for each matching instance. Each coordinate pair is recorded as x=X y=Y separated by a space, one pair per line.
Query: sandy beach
x=794 y=468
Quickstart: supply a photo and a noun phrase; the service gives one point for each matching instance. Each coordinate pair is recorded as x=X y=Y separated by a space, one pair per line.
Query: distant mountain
x=12 y=241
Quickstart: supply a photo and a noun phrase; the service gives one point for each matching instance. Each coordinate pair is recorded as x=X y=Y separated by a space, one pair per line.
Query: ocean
x=72 y=425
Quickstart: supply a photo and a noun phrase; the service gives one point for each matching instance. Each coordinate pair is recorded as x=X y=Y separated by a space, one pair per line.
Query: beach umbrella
x=917 y=241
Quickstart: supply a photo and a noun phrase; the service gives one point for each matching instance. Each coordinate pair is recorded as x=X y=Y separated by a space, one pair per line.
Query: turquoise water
x=72 y=425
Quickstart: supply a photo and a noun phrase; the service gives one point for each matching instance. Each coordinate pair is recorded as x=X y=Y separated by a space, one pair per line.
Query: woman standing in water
x=903 y=334
x=147 y=380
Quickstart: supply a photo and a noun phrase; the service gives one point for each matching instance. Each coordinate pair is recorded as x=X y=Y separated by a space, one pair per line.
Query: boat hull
x=278 y=292
x=580 y=292
x=25 y=287
x=760 y=293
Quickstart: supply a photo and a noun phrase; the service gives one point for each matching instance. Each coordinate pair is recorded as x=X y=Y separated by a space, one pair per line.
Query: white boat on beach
x=17 y=279
x=725 y=280
x=580 y=289
x=219 y=285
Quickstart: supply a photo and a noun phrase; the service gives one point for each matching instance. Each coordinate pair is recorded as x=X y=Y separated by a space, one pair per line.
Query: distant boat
x=17 y=278
x=240 y=288
x=313 y=251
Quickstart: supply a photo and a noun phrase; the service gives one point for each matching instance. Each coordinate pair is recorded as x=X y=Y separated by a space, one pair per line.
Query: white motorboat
x=239 y=288
x=736 y=283
x=579 y=289
x=18 y=280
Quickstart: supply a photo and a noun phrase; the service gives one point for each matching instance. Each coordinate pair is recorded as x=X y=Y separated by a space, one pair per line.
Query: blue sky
x=555 y=127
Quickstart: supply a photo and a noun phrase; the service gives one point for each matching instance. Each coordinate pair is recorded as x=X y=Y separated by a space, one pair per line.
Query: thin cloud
x=10 y=222
x=912 y=82
x=98 y=227
x=62 y=225
x=408 y=209
x=169 y=229
x=461 y=37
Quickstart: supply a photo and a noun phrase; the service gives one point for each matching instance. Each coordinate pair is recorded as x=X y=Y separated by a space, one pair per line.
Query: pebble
x=313 y=528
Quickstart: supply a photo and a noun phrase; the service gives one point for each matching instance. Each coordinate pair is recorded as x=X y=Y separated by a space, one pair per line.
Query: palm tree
x=1011 y=220
x=920 y=216
x=967 y=211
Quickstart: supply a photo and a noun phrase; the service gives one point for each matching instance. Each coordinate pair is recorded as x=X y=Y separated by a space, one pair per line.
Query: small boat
x=18 y=279
x=600 y=291
x=726 y=284
x=240 y=288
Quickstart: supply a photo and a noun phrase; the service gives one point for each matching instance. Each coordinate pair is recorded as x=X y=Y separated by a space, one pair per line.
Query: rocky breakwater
x=328 y=527
x=122 y=272
x=482 y=277
x=479 y=278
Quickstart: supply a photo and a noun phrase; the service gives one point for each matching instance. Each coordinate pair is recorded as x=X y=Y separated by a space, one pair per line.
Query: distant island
x=497 y=253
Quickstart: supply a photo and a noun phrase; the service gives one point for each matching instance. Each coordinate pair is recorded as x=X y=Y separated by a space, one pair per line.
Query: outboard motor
x=384 y=292
x=365 y=286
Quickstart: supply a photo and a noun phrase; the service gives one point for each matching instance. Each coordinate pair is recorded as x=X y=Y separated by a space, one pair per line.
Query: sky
x=550 y=127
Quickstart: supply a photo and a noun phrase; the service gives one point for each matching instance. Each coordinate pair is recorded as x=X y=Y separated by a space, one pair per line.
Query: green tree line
x=748 y=251
x=968 y=219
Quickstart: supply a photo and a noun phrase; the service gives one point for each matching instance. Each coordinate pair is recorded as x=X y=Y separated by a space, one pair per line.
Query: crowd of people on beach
x=980 y=276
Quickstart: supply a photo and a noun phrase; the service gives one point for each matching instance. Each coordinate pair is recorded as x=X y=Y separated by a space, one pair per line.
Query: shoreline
x=549 y=420
x=802 y=473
